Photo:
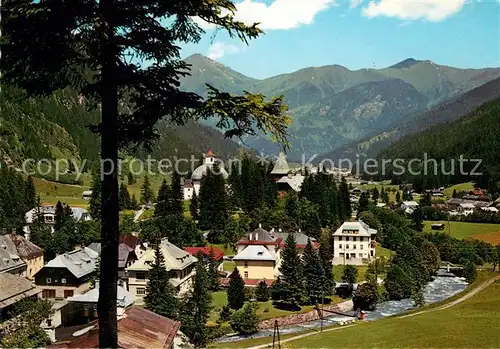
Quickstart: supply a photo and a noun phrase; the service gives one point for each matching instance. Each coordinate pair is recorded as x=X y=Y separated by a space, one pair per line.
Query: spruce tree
x=124 y=198
x=237 y=196
x=162 y=201
x=146 y=192
x=292 y=273
x=270 y=188
x=345 y=199
x=193 y=206
x=454 y=195
x=30 y=197
x=130 y=178
x=160 y=295
x=236 y=290
x=61 y=215
x=314 y=275
x=326 y=256
x=398 y=197
x=86 y=45
x=213 y=273
x=176 y=203
x=262 y=291
x=213 y=201
x=364 y=202
x=95 y=199
x=375 y=195
x=134 y=205
x=196 y=308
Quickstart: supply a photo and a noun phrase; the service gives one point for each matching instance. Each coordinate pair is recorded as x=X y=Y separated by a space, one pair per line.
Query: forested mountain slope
x=475 y=136
x=317 y=97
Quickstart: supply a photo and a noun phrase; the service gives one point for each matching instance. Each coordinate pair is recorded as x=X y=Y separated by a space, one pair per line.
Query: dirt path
x=468 y=295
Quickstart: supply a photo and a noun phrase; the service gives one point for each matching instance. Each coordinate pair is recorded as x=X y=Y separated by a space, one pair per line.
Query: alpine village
x=151 y=198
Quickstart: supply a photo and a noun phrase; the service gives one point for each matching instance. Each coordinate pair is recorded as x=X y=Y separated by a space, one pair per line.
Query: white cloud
x=280 y=14
x=431 y=10
x=220 y=49
x=355 y=3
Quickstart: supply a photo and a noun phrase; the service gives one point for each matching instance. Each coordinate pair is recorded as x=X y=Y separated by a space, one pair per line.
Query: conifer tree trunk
x=108 y=336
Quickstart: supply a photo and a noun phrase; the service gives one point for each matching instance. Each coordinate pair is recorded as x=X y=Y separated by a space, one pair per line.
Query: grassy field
x=383 y=252
x=464 y=325
x=338 y=271
x=463 y=230
x=52 y=192
x=458 y=187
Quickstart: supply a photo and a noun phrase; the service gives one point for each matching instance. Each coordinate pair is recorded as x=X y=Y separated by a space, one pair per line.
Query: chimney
x=260 y=225
x=279 y=230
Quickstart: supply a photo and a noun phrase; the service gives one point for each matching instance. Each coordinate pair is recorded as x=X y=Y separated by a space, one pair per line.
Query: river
x=441 y=288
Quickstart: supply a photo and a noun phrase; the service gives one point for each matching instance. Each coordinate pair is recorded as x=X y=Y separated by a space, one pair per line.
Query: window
x=361 y=246
x=49 y=322
x=48 y=280
x=354 y=238
x=140 y=276
x=347 y=247
x=141 y=291
x=246 y=275
x=340 y=245
x=68 y=293
x=341 y=255
x=246 y=264
x=361 y=239
x=49 y=294
x=347 y=238
x=340 y=238
x=360 y=255
x=353 y=247
x=63 y=281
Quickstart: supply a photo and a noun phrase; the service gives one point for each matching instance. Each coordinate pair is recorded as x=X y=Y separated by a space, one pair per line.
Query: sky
x=357 y=34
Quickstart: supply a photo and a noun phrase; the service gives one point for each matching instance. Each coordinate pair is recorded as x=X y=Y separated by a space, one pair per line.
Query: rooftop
x=361 y=227
x=124 y=298
x=218 y=253
x=255 y=253
x=175 y=258
x=124 y=252
x=24 y=247
x=281 y=165
x=9 y=257
x=295 y=181
x=79 y=262
x=260 y=237
x=300 y=239
x=13 y=288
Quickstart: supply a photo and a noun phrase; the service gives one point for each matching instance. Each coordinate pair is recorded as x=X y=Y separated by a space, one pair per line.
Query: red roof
x=139 y=328
x=130 y=240
x=188 y=183
x=210 y=152
x=218 y=253
x=248 y=282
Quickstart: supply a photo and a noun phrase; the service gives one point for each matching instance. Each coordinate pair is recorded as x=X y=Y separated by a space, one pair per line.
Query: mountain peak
x=405 y=64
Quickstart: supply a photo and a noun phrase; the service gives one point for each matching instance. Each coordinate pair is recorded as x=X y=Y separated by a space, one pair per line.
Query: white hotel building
x=354 y=243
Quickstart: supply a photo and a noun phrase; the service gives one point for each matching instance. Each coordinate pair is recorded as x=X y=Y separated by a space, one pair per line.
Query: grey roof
x=476 y=203
x=80 y=214
x=123 y=252
x=123 y=297
x=255 y=253
x=175 y=258
x=79 y=262
x=9 y=257
x=300 y=238
x=201 y=170
x=295 y=181
x=13 y=288
x=24 y=247
x=77 y=212
x=260 y=235
x=281 y=165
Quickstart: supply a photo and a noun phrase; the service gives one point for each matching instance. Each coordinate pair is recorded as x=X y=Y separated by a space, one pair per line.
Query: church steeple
x=209 y=157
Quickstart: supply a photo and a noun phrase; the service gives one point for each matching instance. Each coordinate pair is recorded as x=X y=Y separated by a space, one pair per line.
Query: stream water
x=441 y=288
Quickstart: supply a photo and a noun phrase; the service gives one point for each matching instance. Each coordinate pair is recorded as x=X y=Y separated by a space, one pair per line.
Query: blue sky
x=358 y=34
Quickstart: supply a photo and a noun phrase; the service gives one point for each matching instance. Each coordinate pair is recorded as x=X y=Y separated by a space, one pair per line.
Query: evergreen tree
x=418 y=219
x=470 y=272
x=63 y=216
x=193 y=206
x=213 y=274
x=100 y=36
x=40 y=233
x=292 y=206
x=326 y=256
x=398 y=197
x=213 y=201
x=160 y=296
x=134 y=205
x=454 y=195
x=350 y=274
x=292 y=273
x=196 y=308
x=176 y=203
x=245 y=321
x=345 y=200
x=162 y=201
x=124 y=198
x=262 y=291
x=95 y=199
x=30 y=197
x=236 y=290
x=314 y=275
x=384 y=195
x=426 y=200
x=146 y=192
x=364 y=202
x=375 y=195
x=237 y=195
x=270 y=188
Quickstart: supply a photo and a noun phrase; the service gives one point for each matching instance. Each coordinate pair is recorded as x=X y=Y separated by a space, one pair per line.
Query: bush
x=470 y=272
x=262 y=292
x=214 y=332
x=249 y=294
x=225 y=313
x=365 y=297
x=245 y=320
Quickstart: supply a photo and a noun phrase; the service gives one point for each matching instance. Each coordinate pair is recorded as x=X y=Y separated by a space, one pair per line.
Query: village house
x=490 y=209
x=137 y=328
x=409 y=206
x=87 y=195
x=454 y=203
x=280 y=168
x=48 y=213
x=126 y=257
x=10 y=261
x=206 y=251
x=67 y=274
x=354 y=243
x=465 y=209
x=193 y=185
x=14 y=288
x=290 y=182
x=31 y=254
x=179 y=264
x=135 y=243
x=258 y=254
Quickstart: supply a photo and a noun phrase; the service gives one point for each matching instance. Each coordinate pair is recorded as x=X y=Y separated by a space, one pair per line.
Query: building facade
x=354 y=243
